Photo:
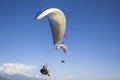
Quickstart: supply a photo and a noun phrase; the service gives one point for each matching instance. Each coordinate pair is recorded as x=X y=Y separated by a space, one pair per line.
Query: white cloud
x=29 y=71
x=15 y=68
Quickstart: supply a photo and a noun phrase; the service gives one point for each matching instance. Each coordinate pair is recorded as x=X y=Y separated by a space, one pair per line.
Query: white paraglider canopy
x=57 y=22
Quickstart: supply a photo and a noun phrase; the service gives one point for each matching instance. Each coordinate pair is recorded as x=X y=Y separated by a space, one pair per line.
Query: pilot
x=44 y=71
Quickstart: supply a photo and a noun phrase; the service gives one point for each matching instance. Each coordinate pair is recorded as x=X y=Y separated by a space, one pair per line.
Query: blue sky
x=93 y=31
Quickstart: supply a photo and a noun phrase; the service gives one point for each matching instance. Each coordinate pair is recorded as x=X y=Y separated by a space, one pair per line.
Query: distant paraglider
x=62 y=61
x=57 y=22
x=63 y=47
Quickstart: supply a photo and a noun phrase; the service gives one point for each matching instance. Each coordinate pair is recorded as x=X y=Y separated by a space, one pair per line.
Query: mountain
x=2 y=78
x=16 y=77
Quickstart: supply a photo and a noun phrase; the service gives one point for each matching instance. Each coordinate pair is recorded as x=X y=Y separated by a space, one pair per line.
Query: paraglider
x=63 y=47
x=62 y=61
x=57 y=23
